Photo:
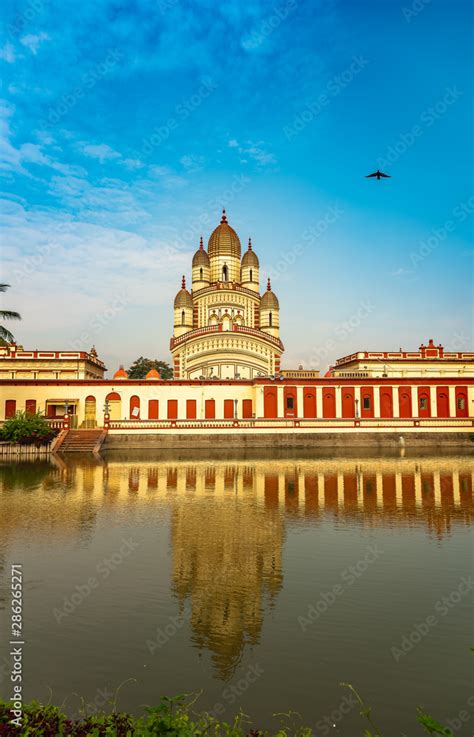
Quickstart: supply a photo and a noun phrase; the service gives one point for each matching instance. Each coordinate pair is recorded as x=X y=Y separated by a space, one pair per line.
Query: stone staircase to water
x=82 y=441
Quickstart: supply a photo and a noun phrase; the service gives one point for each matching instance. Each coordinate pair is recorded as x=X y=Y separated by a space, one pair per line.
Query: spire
x=201 y=245
x=224 y=216
x=183 y=283
x=269 y=286
x=250 y=244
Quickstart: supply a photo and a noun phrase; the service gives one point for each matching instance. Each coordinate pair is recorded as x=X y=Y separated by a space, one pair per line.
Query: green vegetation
x=5 y=335
x=140 y=368
x=172 y=718
x=27 y=429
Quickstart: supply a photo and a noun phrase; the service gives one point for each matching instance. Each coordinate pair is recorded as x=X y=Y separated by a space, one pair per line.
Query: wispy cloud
x=33 y=41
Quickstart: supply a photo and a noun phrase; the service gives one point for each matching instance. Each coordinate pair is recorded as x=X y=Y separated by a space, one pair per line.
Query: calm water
x=256 y=582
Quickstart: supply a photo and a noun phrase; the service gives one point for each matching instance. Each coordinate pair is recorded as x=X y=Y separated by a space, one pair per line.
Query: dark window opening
x=200 y=273
x=366 y=403
x=270 y=319
x=423 y=403
x=182 y=317
x=224 y=273
x=461 y=403
x=251 y=275
x=290 y=403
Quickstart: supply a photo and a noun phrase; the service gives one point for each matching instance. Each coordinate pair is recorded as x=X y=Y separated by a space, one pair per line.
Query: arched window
x=182 y=317
x=251 y=272
x=224 y=273
x=200 y=273
x=270 y=319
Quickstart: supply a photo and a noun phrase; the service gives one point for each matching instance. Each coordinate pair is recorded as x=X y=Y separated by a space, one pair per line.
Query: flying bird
x=379 y=174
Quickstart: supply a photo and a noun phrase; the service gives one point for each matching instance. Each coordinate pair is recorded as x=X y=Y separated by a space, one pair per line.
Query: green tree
x=140 y=368
x=5 y=335
x=27 y=428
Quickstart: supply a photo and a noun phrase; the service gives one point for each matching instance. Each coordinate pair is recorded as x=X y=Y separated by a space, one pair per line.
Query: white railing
x=298 y=422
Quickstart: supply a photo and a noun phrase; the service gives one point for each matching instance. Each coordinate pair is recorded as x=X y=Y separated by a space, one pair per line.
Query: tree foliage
x=5 y=335
x=26 y=429
x=140 y=368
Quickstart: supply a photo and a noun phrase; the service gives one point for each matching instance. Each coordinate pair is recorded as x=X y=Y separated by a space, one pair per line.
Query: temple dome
x=183 y=298
x=121 y=373
x=201 y=257
x=224 y=241
x=269 y=300
x=250 y=258
x=153 y=374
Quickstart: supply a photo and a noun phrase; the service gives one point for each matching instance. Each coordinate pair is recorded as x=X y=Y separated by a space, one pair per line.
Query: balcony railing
x=191 y=334
x=285 y=422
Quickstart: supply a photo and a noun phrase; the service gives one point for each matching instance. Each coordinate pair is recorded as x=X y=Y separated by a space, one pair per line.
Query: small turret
x=250 y=269
x=270 y=312
x=183 y=311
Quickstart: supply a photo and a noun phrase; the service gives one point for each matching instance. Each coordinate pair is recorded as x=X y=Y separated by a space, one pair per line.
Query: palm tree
x=5 y=335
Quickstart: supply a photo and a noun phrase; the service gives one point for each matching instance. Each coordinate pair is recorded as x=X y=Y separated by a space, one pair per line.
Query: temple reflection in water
x=228 y=519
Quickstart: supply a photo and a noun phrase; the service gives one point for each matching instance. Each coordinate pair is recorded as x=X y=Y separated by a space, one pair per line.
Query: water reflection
x=228 y=520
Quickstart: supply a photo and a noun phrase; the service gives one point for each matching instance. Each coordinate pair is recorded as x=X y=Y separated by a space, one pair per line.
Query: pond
x=254 y=581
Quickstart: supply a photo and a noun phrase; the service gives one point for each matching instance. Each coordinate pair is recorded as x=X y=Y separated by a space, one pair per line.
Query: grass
x=171 y=718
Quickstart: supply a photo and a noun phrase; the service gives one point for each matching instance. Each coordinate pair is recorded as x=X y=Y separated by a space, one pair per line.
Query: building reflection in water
x=228 y=520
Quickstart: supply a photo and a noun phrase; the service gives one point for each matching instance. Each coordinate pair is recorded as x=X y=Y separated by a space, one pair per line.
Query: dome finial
x=183 y=283
x=201 y=245
x=269 y=286
x=250 y=244
x=224 y=216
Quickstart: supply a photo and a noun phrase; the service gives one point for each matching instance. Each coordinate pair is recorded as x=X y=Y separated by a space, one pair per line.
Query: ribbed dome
x=201 y=257
x=183 y=298
x=224 y=241
x=269 y=300
x=250 y=258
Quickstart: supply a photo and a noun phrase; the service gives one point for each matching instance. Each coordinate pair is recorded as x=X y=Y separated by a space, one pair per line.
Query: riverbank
x=362 y=438
x=171 y=717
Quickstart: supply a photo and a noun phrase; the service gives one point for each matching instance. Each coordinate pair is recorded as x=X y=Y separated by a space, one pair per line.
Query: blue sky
x=127 y=126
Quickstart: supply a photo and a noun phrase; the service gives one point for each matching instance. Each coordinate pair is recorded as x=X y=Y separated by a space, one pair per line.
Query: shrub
x=25 y=429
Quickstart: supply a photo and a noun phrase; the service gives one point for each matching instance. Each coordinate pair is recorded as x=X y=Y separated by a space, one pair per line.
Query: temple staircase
x=82 y=441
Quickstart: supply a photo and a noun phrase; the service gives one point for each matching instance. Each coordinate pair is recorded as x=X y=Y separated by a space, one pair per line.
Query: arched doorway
x=386 y=403
x=329 y=402
x=348 y=403
x=90 y=419
x=115 y=406
x=226 y=322
x=442 y=401
x=309 y=403
x=270 y=402
x=405 y=402
x=135 y=408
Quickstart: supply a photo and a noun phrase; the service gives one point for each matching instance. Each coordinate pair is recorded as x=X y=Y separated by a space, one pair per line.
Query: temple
x=223 y=327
